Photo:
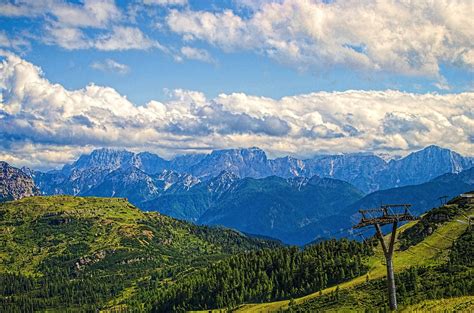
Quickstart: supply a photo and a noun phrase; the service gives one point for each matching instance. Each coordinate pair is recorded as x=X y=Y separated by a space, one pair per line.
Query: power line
x=447 y=237
x=430 y=246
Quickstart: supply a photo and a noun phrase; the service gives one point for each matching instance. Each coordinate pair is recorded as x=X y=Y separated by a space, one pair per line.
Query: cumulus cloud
x=36 y=114
x=401 y=122
x=109 y=65
x=406 y=37
x=225 y=121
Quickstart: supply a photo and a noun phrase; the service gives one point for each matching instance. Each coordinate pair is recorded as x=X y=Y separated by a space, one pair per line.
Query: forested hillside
x=266 y=275
x=414 y=285
x=68 y=253
x=433 y=270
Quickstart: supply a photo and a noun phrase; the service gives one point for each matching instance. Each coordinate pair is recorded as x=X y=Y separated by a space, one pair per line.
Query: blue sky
x=235 y=57
x=153 y=71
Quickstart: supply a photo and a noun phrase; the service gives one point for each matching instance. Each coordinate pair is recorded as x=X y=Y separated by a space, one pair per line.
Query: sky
x=293 y=77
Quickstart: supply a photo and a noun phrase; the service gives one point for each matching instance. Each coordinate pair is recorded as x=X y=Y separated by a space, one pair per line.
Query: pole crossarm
x=386 y=214
x=384 y=220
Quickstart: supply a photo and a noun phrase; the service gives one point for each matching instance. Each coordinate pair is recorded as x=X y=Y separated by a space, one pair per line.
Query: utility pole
x=387 y=214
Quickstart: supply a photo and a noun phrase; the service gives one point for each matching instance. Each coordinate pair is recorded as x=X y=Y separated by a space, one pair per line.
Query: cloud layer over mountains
x=44 y=123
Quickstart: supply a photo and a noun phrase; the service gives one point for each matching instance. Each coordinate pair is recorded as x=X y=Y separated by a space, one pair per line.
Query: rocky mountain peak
x=28 y=171
x=179 y=181
x=103 y=158
x=433 y=152
x=150 y=163
x=245 y=153
x=422 y=166
x=15 y=184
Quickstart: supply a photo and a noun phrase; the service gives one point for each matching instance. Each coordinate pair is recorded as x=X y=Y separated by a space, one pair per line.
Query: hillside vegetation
x=433 y=267
x=265 y=275
x=66 y=253
x=89 y=253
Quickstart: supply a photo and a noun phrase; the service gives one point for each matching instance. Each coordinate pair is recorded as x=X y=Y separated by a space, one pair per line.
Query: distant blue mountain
x=365 y=171
x=286 y=198
x=422 y=197
x=421 y=166
x=291 y=210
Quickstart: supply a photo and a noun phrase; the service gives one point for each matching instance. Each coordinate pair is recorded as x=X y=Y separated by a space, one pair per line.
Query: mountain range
x=286 y=198
x=367 y=172
x=422 y=196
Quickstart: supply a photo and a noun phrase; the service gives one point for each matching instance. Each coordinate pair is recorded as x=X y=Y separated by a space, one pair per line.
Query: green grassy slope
x=430 y=250
x=91 y=253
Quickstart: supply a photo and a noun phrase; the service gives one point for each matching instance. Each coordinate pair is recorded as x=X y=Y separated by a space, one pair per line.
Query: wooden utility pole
x=387 y=214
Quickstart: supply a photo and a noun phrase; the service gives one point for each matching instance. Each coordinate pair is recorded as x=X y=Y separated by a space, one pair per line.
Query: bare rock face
x=15 y=184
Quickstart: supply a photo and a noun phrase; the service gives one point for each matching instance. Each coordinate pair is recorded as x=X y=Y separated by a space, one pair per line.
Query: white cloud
x=407 y=37
x=89 y=13
x=36 y=114
x=196 y=54
x=69 y=38
x=126 y=38
x=442 y=84
x=40 y=156
x=109 y=65
x=120 y=38
x=15 y=43
x=65 y=24
x=94 y=13
x=24 y=8
x=224 y=29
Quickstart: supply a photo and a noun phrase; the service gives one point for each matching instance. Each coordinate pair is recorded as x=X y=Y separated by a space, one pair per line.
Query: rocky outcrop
x=15 y=184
